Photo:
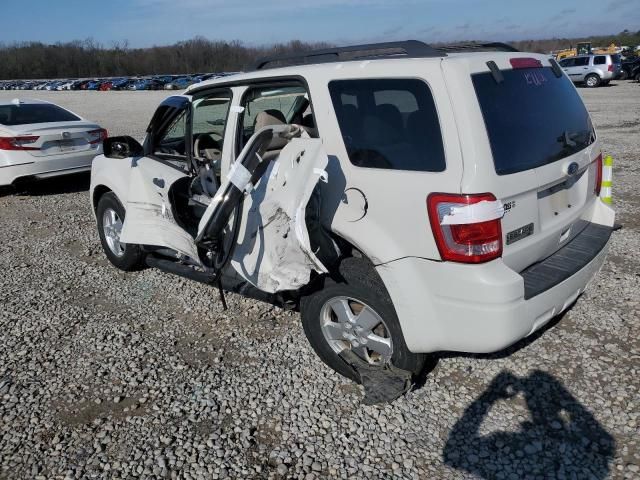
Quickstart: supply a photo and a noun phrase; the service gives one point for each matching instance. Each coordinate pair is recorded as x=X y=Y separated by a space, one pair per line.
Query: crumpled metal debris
x=381 y=384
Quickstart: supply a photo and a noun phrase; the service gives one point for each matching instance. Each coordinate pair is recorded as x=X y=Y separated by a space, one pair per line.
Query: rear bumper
x=485 y=308
x=48 y=166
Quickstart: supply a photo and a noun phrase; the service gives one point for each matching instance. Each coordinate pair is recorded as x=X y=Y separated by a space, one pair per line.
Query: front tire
x=357 y=314
x=110 y=217
x=592 y=80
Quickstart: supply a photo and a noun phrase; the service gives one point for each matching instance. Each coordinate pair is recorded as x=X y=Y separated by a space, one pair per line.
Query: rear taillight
x=610 y=68
x=18 y=143
x=97 y=136
x=467 y=235
x=598 y=185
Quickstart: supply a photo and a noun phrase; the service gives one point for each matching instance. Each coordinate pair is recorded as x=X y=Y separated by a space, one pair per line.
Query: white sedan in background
x=39 y=139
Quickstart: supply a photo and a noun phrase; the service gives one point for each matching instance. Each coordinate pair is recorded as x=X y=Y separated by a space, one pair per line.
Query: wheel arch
x=98 y=192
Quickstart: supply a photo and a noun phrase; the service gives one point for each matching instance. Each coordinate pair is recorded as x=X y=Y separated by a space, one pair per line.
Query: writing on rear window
x=535 y=78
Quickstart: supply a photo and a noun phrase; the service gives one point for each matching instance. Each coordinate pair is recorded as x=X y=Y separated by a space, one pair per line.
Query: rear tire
x=364 y=294
x=110 y=217
x=592 y=80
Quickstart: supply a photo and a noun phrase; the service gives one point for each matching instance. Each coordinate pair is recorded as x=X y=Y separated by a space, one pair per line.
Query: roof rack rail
x=478 y=47
x=406 y=49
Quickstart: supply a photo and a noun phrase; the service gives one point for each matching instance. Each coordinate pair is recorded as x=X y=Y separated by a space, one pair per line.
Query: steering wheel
x=206 y=146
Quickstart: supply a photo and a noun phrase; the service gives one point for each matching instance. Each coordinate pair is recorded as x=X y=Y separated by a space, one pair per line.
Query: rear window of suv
x=34 y=113
x=389 y=123
x=532 y=118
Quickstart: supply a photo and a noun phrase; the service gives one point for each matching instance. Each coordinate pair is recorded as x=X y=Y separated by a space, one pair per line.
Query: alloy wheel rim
x=348 y=323
x=112 y=228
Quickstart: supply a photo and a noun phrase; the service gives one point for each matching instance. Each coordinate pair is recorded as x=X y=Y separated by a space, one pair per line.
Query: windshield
x=26 y=113
x=532 y=118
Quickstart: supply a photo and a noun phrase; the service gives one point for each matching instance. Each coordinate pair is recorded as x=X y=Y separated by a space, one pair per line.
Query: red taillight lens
x=18 y=143
x=98 y=135
x=610 y=68
x=525 y=62
x=598 y=185
x=475 y=242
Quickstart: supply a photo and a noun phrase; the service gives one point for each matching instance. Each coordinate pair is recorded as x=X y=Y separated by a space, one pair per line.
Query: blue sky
x=158 y=22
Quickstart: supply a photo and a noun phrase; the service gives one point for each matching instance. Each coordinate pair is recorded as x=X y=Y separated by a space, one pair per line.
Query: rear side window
x=581 y=61
x=600 y=60
x=26 y=113
x=532 y=118
x=389 y=123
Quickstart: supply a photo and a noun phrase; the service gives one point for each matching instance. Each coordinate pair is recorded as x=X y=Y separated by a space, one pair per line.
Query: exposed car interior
x=263 y=107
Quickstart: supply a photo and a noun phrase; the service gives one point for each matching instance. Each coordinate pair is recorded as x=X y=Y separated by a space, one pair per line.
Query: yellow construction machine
x=582 y=48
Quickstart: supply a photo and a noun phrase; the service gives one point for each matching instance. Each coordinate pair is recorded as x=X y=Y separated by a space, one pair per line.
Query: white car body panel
x=149 y=219
x=274 y=251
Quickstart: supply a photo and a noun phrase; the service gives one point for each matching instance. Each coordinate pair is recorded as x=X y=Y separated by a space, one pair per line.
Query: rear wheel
x=592 y=80
x=357 y=315
x=110 y=217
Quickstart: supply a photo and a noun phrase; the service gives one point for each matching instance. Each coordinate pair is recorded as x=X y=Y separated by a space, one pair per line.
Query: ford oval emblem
x=572 y=168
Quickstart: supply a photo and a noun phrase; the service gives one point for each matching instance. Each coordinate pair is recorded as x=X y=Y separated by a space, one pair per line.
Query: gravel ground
x=112 y=375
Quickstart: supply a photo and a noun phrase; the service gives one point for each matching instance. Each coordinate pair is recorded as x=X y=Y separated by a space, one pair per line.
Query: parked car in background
x=592 y=70
x=65 y=85
x=105 y=86
x=148 y=84
x=121 y=83
x=94 y=85
x=179 y=83
x=40 y=139
x=631 y=69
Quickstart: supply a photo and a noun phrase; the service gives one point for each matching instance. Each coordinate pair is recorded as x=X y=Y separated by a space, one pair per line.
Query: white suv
x=592 y=70
x=407 y=199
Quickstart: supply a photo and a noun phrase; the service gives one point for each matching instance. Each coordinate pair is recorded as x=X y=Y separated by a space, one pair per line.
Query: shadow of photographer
x=561 y=440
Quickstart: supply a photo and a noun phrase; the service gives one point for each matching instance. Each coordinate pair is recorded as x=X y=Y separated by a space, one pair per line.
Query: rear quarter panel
x=396 y=223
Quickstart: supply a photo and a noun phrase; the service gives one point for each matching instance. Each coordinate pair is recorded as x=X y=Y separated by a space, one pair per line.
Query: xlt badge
x=519 y=233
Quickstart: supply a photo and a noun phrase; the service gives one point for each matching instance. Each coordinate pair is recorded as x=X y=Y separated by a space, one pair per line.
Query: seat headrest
x=269 y=117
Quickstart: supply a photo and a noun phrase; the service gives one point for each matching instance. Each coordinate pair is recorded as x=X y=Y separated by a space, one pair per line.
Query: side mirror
x=122 y=147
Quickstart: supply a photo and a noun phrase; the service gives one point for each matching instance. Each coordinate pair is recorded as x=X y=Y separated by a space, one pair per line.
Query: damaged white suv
x=407 y=199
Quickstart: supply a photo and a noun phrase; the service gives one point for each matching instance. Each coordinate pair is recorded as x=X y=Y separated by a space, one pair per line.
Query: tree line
x=87 y=58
